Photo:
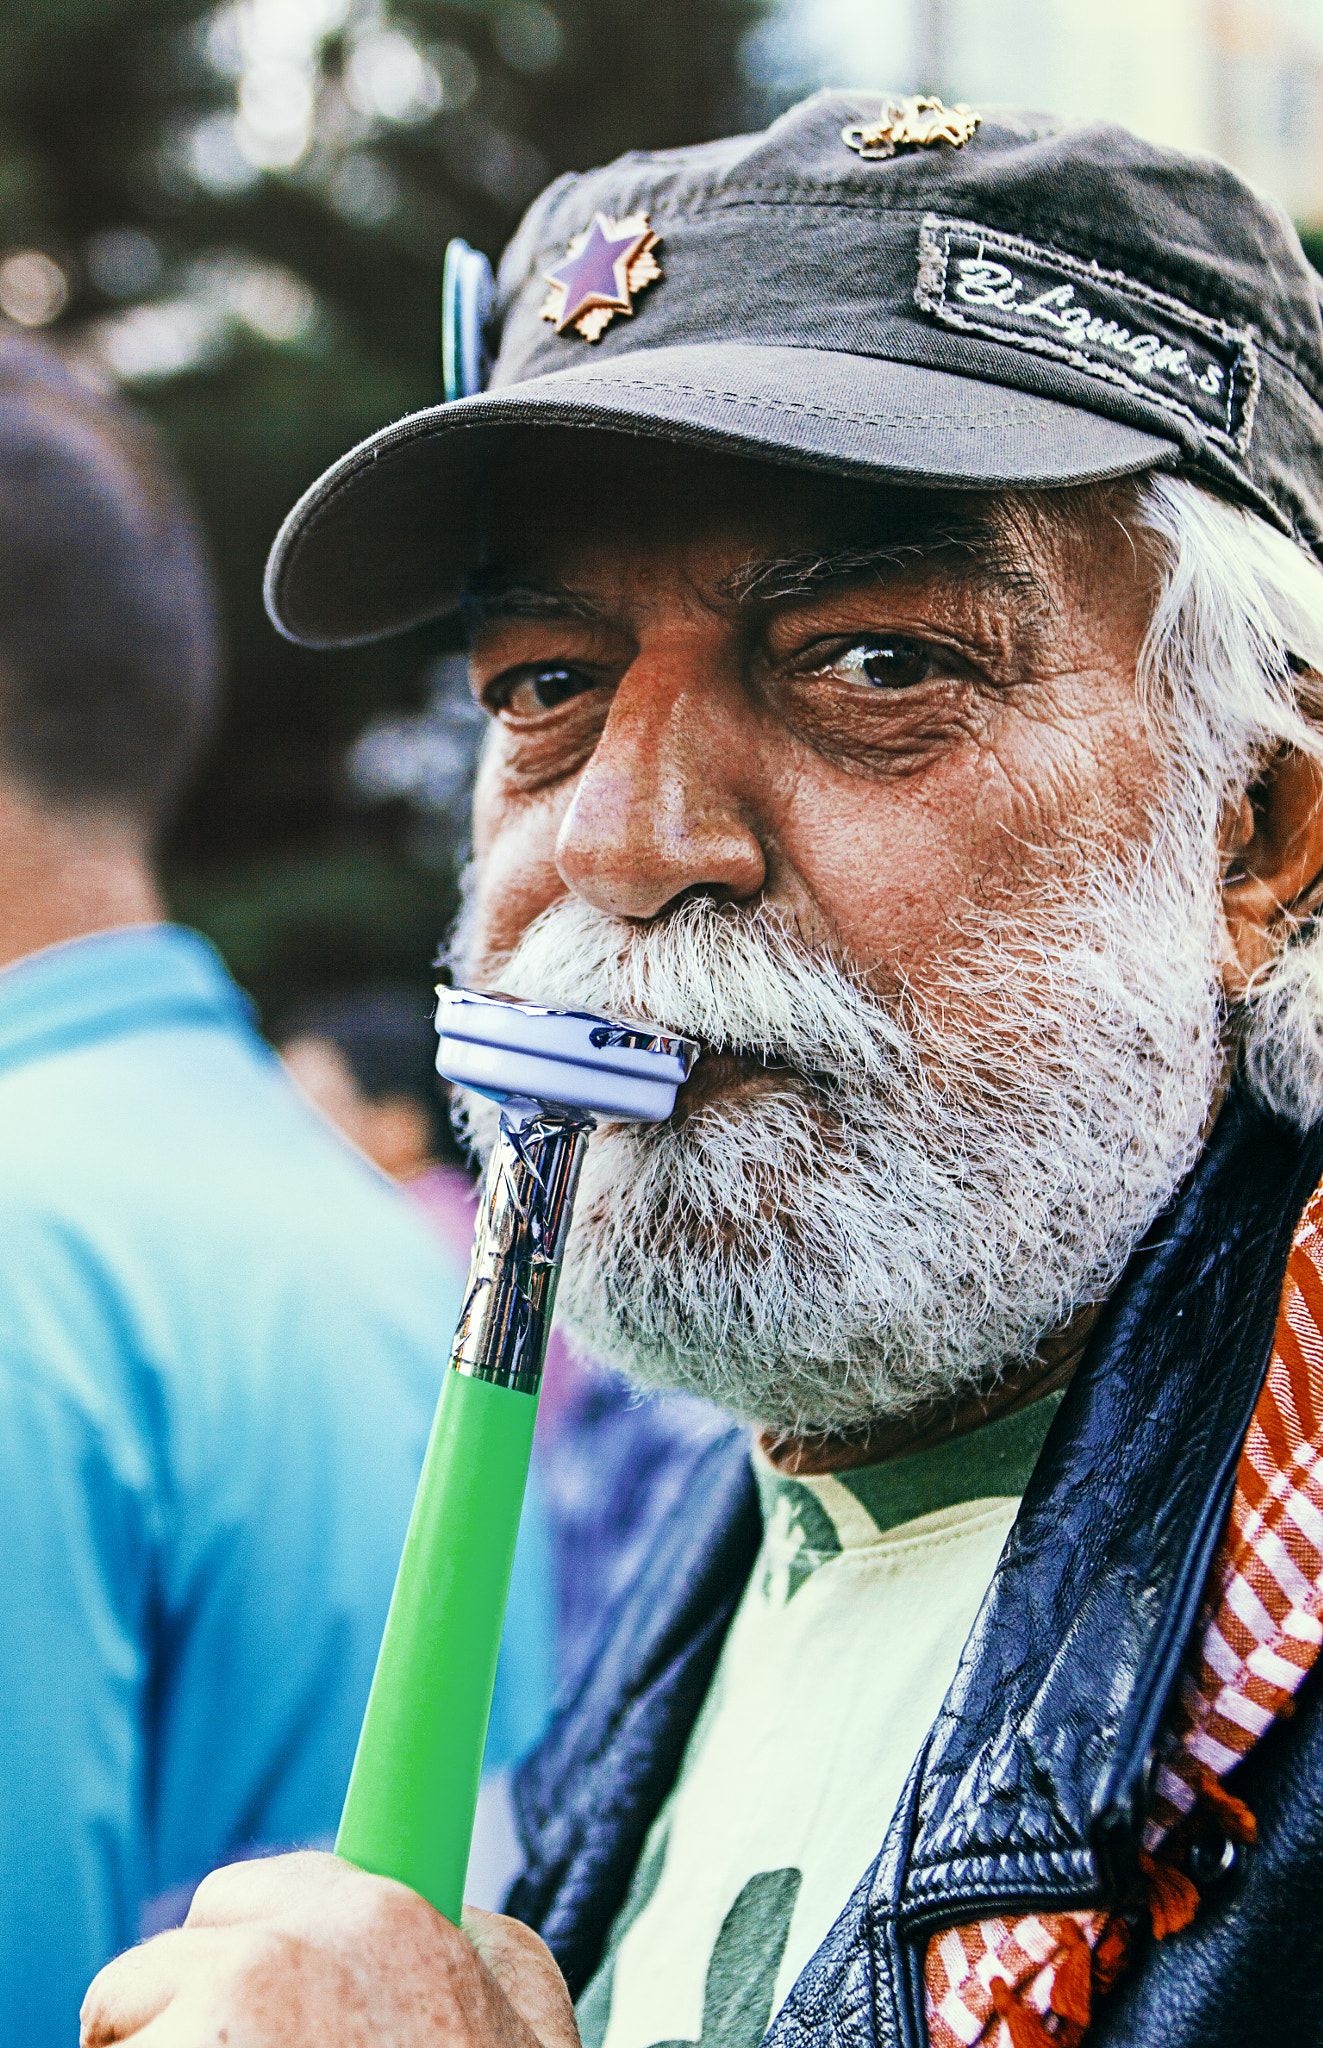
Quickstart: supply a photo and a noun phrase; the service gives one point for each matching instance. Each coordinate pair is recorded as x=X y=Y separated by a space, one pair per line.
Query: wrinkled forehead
x=576 y=502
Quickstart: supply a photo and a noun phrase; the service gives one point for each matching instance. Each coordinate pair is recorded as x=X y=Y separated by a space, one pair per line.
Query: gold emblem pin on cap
x=602 y=272
x=913 y=123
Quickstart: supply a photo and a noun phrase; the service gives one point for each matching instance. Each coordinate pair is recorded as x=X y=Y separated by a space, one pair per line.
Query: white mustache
x=739 y=981
x=745 y=982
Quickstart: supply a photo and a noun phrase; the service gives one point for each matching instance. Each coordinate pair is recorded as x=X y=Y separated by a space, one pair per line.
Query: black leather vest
x=1031 y=1788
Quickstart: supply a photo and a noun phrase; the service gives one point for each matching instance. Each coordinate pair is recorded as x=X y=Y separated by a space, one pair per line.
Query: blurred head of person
x=367 y=1060
x=109 y=652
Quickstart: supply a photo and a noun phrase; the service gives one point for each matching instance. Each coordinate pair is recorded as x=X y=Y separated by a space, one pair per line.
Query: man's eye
x=527 y=691
x=889 y=662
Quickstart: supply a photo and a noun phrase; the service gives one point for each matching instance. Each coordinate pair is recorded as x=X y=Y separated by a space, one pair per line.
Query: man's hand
x=302 y=1951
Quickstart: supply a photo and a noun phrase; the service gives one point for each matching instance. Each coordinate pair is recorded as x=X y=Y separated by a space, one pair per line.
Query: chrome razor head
x=531 y=1059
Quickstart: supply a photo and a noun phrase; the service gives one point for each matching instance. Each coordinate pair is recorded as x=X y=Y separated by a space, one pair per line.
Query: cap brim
x=382 y=540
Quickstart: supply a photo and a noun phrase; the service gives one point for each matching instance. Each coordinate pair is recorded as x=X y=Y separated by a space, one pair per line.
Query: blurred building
x=1267 y=112
x=1243 y=78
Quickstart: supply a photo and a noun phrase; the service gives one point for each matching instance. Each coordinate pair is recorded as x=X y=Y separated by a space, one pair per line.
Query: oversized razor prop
x=409 y=1810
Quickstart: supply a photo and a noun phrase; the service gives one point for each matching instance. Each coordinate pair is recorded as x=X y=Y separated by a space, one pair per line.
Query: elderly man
x=889 y=550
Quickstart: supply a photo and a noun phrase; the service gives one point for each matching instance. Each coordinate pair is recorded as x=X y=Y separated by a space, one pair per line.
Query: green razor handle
x=413 y=1793
x=409 y=1810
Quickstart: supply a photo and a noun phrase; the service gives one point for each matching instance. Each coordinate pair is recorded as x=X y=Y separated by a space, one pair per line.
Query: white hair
x=1232 y=671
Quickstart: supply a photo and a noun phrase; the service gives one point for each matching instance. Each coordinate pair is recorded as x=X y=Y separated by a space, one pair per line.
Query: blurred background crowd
x=237 y=213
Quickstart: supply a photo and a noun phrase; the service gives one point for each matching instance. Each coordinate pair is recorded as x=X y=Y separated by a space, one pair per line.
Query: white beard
x=943 y=1177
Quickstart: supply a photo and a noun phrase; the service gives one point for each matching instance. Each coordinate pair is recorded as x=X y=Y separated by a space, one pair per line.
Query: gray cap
x=877 y=288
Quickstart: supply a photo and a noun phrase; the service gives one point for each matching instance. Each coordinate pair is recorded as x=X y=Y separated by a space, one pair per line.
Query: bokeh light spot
x=363 y=190
x=123 y=262
x=387 y=74
x=33 y=288
x=528 y=35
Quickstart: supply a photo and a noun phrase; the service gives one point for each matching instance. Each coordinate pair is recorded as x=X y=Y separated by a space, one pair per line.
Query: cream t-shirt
x=847 y=1638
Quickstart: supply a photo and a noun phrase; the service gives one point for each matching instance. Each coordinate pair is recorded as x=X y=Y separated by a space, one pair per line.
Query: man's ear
x=1272 y=853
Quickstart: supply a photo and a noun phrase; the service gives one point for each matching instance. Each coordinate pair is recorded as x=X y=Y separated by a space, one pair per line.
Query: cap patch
x=602 y=271
x=1099 y=321
x=917 y=122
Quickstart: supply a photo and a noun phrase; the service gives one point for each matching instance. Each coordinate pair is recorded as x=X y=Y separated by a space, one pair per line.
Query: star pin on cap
x=603 y=269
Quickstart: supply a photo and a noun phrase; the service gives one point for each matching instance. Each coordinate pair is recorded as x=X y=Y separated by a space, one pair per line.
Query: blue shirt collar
x=111 y=982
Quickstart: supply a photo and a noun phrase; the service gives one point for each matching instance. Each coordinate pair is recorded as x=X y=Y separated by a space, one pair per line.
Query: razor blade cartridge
x=513 y=1052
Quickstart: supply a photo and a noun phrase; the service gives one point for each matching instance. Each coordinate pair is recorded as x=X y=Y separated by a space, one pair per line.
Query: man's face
x=691 y=691
x=854 y=785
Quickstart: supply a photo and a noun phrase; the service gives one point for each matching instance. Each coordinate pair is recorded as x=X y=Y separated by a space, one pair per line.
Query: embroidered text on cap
x=1099 y=321
x=602 y=270
x=917 y=122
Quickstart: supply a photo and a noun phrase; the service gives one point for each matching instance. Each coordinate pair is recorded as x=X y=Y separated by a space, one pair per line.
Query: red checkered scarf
x=1030 y=1983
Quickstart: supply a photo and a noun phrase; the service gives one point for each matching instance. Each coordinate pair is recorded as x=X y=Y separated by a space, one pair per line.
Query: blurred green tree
x=238 y=212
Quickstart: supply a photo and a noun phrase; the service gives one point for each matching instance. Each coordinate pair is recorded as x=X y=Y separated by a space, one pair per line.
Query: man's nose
x=664 y=803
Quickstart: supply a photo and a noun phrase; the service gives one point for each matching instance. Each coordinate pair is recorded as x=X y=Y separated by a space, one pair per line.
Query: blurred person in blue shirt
x=221 y=1332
